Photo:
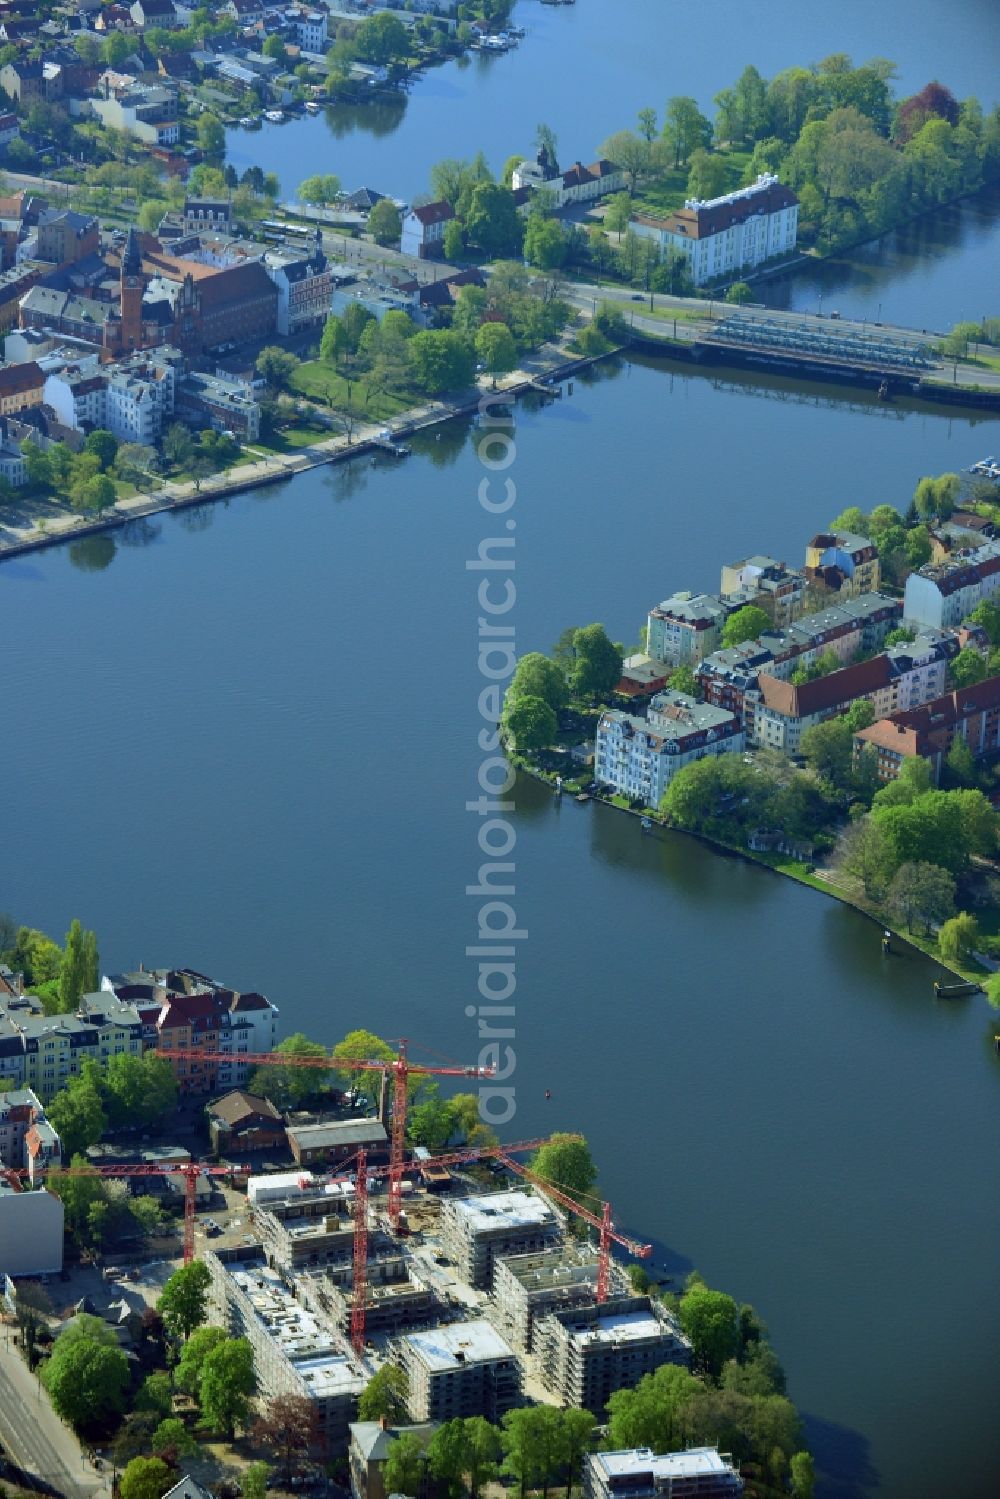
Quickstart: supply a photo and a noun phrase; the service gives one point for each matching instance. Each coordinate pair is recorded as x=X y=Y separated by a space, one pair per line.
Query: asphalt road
x=35 y=1438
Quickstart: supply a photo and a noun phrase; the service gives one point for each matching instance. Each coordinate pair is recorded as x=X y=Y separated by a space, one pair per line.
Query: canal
x=243 y=737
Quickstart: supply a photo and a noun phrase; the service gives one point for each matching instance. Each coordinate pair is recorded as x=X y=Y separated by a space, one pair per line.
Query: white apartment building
x=132 y=399
x=723 y=237
x=685 y=628
x=945 y=593
x=308 y=25
x=639 y=757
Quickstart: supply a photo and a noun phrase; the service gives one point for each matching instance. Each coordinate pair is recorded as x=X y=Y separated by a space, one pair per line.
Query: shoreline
x=821 y=887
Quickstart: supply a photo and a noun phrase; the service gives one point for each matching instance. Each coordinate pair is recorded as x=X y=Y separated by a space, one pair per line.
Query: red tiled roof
x=824 y=692
x=17 y=378
x=433 y=213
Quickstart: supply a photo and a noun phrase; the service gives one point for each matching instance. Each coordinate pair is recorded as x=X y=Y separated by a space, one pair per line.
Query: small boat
x=548 y=1093
x=583 y=797
x=274 y=115
x=250 y=122
x=956 y=991
x=646 y=824
x=312 y=106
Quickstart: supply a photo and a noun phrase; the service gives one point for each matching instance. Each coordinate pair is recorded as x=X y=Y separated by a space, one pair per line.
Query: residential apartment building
x=585 y=1354
x=697 y=1473
x=843 y=561
x=368 y=1452
x=222 y=402
x=133 y=399
x=147 y=112
x=477 y=1231
x=308 y=26
x=777 y=713
x=639 y=757
x=726 y=676
x=21 y=386
x=65 y=237
x=461 y=1369
x=42 y=1052
x=27 y=1140
x=13 y=465
x=685 y=628
x=945 y=593
x=423 y=229
x=928 y=731
x=779 y=590
x=726 y=236
x=197 y=1013
x=207 y=215
x=305 y=286
x=295 y=1352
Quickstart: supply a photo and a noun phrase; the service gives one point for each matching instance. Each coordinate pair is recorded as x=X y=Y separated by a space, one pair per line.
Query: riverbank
x=550 y=366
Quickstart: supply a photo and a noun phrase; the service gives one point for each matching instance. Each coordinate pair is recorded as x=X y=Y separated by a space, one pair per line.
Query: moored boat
x=956 y=991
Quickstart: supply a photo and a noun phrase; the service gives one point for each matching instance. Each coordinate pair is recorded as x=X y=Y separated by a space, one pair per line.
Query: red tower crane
x=189 y=1170
x=466 y=1155
x=607 y=1233
x=400 y=1068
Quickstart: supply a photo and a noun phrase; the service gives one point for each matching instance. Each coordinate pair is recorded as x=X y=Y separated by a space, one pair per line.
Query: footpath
x=58 y=524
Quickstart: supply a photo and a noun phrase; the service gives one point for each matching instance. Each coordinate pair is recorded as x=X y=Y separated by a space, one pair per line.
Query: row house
x=686 y=628
x=845 y=628
x=944 y=594
x=133 y=399
x=843 y=561
x=196 y=1013
x=304 y=284
x=225 y=403
x=42 y=1052
x=639 y=757
x=777 y=713
x=21 y=386
x=771 y=585
x=928 y=731
x=725 y=236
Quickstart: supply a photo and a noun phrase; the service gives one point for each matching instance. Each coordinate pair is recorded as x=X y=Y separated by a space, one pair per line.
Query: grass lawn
x=670 y=191
x=293 y=439
x=321 y=383
x=670 y=315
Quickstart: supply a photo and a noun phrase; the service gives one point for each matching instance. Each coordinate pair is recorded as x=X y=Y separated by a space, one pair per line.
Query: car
x=212 y=1229
x=637 y=296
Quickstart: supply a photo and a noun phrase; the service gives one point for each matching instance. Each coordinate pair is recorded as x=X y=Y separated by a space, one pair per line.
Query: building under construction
x=391 y=1306
x=465 y=1369
x=315 y=1230
x=478 y=1231
x=584 y=1355
x=528 y=1286
x=698 y=1473
x=295 y=1352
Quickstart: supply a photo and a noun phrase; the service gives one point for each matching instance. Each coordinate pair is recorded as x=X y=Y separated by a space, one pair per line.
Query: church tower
x=133 y=284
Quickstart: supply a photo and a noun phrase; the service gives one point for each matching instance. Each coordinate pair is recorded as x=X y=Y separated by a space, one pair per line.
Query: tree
x=921 y=893
x=544 y=241
x=529 y=1446
x=453 y=243
x=177 y=445
x=172 y=1440
x=227 y=1386
x=617 y=214
x=76 y=1113
x=254 y=1482
x=104 y=445
x=739 y=293
x=405 y=1465
x=71 y=973
x=934 y=101
x=385 y=1396
x=566 y=1162
x=154 y=1395
x=381 y=39
x=936 y=497
x=958 y=938
x=277 y=366
x=685 y=128
x=183 y=1302
x=492 y=221
x=211 y=134
x=745 y=624
x=31 y=1307
x=432 y=1122
x=802 y=1473
x=629 y=152
x=577 y=1439
x=322 y=188
x=441 y=360
x=496 y=348
x=145 y=1478
x=274 y=47
x=650 y=1414
x=968 y=667
x=711 y=1320
x=828 y=748
x=647 y=125
x=384 y=223
x=708 y=176
x=287 y=1428
x=139 y=1090
x=200 y=1343
x=987 y=616
x=86 y=1378
x=597 y=667
x=537 y=676
x=529 y=723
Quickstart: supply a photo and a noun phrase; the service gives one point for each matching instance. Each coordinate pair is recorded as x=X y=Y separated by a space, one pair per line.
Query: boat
x=956 y=991
x=647 y=824
x=274 y=115
x=312 y=106
x=250 y=122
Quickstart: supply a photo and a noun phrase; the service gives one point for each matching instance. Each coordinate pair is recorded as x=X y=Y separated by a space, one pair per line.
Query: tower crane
x=400 y=1069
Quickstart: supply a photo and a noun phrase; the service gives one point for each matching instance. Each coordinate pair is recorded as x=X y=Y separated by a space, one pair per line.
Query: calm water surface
x=242 y=739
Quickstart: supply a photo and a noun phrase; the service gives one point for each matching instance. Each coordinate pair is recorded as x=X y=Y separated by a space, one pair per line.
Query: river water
x=242 y=738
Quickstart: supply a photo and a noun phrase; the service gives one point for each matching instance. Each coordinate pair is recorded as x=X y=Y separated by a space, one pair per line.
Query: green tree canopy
x=104 y=445
x=745 y=624
x=87 y=1379
x=145 y=1478
x=139 y=1090
x=496 y=348
x=183 y=1302
x=77 y=1114
x=921 y=894
x=539 y=676
x=649 y=1415
x=440 y=361
x=597 y=664
x=492 y=221
x=227 y=1385
x=289 y=1087
x=384 y=223
x=321 y=187
x=406 y=1464
x=529 y=723
x=959 y=937
x=711 y=1320
x=382 y=39
x=363 y=1046
x=385 y=1396
x=200 y=1343
x=968 y=667
x=566 y=1162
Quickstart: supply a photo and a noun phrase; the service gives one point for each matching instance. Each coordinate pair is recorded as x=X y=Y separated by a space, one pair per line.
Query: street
x=33 y=1435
